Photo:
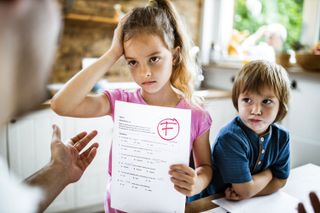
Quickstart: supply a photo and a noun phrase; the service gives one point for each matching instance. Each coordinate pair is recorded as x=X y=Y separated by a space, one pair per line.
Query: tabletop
x=301 y=181
x=202 y=204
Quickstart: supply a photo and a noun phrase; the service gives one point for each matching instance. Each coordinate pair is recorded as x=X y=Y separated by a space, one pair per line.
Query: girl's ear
x=176 y=59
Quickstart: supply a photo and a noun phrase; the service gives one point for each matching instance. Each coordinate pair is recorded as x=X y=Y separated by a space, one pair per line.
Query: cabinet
x=28 y=144
x=3 y=143
x=220 y=76
x=303 y=119
x=221 y=111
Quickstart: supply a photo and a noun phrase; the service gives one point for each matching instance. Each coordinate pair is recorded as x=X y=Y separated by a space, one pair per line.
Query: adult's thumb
x=56 y=133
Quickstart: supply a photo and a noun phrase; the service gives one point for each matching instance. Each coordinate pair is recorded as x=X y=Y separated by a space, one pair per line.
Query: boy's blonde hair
x=259 y=74
x=159 y=17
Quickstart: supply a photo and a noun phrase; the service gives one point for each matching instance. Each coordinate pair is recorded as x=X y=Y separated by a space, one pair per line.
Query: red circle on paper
x=171 y=129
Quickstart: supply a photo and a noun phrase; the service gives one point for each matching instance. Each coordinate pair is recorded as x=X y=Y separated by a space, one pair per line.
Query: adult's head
x=276 y=35
x=28 y=38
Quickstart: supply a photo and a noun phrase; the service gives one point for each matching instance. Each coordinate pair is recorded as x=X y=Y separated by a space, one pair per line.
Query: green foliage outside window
x=286 y=12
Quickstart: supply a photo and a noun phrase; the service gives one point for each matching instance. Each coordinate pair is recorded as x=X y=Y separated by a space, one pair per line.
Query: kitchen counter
x=298 y=71
x=221 y=75
x=232 y=66
x=207 y=94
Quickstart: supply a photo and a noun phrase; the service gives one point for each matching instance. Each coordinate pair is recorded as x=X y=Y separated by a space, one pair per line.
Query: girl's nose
x=256 y=110
x=148 y=73
x=145 y=71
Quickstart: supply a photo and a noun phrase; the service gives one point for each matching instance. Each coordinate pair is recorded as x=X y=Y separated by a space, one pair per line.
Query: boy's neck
x=265 y=132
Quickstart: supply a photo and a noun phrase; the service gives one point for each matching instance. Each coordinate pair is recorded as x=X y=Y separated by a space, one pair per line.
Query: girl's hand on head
x=184 y=179
x=117 y=41
x=230 y=194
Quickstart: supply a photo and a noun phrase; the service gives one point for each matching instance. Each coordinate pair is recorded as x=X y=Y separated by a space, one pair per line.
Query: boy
x=251 y=153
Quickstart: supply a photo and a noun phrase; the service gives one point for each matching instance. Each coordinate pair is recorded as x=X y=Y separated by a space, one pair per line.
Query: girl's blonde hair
x=160 y=17
x=259 y=74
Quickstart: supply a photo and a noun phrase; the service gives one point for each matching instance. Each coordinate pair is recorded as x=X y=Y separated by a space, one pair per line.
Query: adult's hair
x=159 y=17
x=261 y=74
x=28 y=40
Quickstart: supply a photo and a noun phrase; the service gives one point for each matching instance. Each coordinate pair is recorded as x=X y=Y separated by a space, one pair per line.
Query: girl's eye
x=132 y=63
x=267 y=101
x=246 y=100
x=154 y=59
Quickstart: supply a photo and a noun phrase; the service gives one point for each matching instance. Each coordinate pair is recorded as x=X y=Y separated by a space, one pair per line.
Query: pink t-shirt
x=200 y=123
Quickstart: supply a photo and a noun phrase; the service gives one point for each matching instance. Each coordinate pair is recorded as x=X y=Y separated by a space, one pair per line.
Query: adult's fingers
x=314 y=201
x=85 y=140
x=88 y=155
x=301 y=208
x=77 y=138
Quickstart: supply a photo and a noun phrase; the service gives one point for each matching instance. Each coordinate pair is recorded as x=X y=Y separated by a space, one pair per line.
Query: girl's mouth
x=148 y=82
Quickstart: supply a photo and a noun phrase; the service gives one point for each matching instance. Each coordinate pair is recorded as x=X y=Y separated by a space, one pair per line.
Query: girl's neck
x=165 y=97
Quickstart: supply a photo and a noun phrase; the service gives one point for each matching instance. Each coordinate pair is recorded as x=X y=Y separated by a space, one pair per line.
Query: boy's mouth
x=255 y=121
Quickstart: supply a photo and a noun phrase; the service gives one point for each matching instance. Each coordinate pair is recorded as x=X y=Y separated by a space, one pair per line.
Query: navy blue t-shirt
x=238 y=153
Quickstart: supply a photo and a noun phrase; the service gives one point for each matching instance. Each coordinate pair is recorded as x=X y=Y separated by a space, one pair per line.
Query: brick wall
x=81 y=39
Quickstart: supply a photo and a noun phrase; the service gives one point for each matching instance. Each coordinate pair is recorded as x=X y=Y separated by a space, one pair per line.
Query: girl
x=156 y=50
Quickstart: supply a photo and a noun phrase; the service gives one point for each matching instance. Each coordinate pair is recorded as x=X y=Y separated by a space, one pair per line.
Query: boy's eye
x=132 y=63
x=154 y=59
x=267 y=101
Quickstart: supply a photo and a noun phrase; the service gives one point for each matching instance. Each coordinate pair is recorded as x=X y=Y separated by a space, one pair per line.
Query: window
x=221 y=17
x=250 y=15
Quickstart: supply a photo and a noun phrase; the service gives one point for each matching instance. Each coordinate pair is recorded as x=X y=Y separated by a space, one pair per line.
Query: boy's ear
x=176 y=59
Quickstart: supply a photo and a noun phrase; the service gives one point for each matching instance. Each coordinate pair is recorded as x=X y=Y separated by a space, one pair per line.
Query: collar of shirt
x=254 y=137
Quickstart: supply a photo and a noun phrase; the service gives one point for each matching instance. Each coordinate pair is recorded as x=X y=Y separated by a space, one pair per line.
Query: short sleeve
x=281 y=168
x=113 y=96
x=205 y=122
x=200 y=123
x=230 y=158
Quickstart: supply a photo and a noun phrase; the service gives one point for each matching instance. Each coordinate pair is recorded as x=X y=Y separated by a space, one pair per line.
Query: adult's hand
x=69 y=157
x=66 y=166
x=314 y=202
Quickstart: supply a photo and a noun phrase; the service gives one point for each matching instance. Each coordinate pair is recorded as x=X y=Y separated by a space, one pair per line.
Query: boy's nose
x=256 y=110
